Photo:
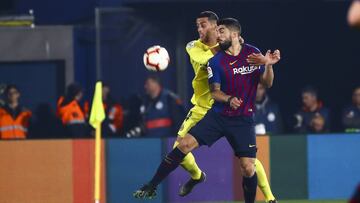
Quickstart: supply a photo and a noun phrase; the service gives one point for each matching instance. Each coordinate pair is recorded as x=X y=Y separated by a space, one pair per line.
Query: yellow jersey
x=200 y=54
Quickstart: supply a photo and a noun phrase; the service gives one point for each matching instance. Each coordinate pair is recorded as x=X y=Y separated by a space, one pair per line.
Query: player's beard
x=225 y=44
x=205 y=38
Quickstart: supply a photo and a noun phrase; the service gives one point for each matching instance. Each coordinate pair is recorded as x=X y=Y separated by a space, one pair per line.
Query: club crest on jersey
x=210 y=73
x=243 y=70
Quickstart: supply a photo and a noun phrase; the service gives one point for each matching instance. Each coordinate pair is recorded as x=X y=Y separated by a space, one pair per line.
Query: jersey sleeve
x=213 y=72
x=262 y=67
x=196 y=54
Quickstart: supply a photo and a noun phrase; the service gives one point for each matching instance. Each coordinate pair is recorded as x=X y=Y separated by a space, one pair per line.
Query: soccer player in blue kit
x=234 y=74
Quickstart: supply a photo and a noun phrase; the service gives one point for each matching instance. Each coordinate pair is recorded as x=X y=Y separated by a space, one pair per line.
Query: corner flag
x=97 y=109
x=97 y=115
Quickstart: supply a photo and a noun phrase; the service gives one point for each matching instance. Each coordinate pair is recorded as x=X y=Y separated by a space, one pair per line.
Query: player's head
x=229 y=31
x=206 y=25
x=356 y=96
x=153 y=85
x=309 y=96
x=12 y=93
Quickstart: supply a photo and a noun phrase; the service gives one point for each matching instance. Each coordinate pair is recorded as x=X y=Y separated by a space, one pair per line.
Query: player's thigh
x=193 y=117
x=240 y=133
x=208 y=130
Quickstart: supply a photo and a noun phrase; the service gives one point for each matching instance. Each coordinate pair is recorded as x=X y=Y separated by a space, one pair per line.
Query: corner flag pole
x=97 y=163
x=96 y=117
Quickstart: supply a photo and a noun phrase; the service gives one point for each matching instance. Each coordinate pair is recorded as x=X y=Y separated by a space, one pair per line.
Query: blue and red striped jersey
x=236 y=78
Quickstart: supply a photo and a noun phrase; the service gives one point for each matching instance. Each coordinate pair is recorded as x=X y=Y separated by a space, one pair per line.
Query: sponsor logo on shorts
x=252 y=145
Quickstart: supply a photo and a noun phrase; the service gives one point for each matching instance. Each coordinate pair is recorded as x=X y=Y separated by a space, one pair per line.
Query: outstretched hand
x=259 y=59
x=272 y=58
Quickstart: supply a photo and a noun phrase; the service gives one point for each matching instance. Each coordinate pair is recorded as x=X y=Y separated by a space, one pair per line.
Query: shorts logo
x=252 y=145
x=245 y=70
x=210 y=73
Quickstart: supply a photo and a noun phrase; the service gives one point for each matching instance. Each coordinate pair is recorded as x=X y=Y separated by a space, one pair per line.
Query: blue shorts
x=238 y=130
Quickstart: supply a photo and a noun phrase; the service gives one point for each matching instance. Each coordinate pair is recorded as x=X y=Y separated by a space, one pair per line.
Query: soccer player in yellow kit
x=200 y=51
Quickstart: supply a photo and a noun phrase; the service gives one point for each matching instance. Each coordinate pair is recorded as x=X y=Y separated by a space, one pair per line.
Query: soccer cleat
x=190 y=184
x=272 y=201
x=145 y=192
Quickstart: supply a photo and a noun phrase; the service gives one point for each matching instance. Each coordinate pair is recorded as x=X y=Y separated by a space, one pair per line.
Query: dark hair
x=72 y=90
x=310 y=89
x=230 y=23
x=105 y=84
x=9 y=87
x=154 y=77
x=210 y=15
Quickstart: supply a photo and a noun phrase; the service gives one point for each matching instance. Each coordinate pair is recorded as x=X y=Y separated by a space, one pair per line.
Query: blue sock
x=249 y=187
x=168 y=164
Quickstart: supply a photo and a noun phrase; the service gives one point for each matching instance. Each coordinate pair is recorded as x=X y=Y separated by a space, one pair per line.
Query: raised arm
x=268 y=60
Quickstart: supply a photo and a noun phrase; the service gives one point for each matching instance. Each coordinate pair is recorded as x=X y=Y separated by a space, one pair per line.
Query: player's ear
x=213 y=24
x=241 y=40
x=234 y=34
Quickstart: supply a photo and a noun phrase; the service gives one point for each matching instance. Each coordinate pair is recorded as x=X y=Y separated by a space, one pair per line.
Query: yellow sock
x=190 y=166
x=263 y=182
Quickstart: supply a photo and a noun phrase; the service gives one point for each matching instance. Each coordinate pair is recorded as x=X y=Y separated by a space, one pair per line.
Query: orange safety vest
x=70 y=113
x=11 y=128
x=116 y=115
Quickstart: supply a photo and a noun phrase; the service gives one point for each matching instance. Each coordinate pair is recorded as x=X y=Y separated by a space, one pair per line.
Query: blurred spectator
x=113 y=123
x=71 y=113
x=161 y=110
x=351 y=114
x=45 y=124
x=354 y=14
x=2 y=96
x=313 y=117
x=267 y=115
x=14 y=118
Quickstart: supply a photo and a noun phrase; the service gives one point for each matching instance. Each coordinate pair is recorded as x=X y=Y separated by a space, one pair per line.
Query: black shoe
x=145 y=192
x=188 y=186
x=273 y=201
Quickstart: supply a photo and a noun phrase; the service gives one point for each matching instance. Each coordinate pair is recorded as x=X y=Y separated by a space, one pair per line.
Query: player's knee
x=248 y=169
x=186 y=145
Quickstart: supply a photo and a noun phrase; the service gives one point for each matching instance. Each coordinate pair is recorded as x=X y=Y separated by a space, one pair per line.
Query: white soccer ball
x=156 y=58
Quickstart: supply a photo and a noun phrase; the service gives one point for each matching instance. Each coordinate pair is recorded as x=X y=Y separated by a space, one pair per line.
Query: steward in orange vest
x=14 y=119
x=71 y=114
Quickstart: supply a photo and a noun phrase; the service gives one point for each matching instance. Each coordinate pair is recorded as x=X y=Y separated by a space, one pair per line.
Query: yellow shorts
x=194 y=116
